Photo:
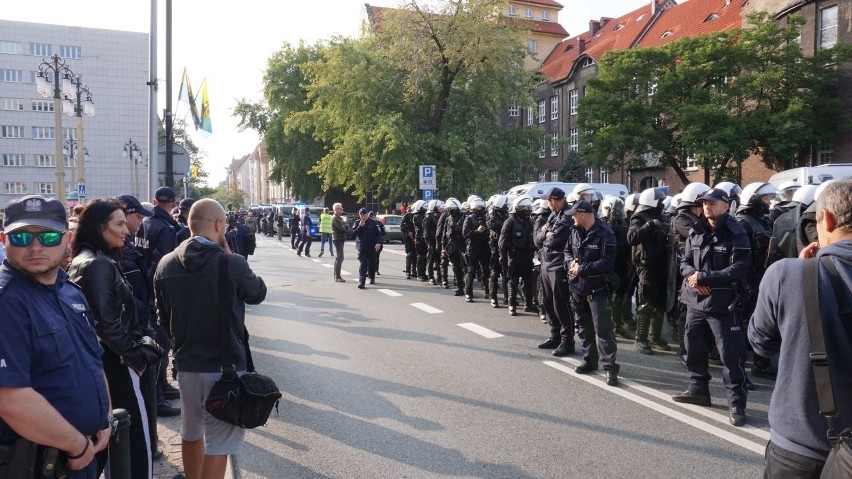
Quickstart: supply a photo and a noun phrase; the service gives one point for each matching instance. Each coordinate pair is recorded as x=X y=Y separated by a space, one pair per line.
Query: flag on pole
x=194 y=170
x=205 y=122
x=185 y=94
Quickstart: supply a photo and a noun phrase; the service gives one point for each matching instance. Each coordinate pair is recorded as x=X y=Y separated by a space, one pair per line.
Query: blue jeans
x=326 y=237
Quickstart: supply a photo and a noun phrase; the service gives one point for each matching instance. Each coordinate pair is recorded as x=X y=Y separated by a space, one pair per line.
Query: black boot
x=643 y=323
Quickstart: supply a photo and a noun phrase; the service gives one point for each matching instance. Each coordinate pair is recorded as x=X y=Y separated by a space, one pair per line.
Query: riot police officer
x=444 y=261
x=589 y=258
x=430 y=230
x=453 y=243
x=715 y=262
x=497 y=215
x=540 y=215
x=420 y=248
x=476 y=235
x=551 y=240
x=612 y=213
x=406 y=226
x=517 y=249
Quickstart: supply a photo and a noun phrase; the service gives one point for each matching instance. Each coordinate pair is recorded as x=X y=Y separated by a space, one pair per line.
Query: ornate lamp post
x=61 y=74
x=79 y=102
x=132 y=151
x=71 y=149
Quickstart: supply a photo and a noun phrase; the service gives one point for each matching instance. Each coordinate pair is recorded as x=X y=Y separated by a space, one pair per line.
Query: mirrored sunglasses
x=22 y=239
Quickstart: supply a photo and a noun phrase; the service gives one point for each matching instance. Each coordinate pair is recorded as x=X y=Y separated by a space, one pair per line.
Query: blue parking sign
x=428 y=195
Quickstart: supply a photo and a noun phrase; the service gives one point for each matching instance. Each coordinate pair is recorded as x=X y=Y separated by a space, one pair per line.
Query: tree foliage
x=572 y=170
x=715 y=99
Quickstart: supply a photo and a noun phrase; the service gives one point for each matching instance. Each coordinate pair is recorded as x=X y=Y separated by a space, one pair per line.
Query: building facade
x=114 y=66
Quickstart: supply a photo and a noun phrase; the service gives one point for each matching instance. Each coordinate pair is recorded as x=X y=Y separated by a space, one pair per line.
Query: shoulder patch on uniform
x=2 y=363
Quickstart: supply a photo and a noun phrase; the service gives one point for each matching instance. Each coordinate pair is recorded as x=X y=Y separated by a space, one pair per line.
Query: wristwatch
x=113 y=423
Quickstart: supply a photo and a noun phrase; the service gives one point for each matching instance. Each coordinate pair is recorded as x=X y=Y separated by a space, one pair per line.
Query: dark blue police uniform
x=368 y=236
x=49 y=344
x=720 y=255
x=554 y=279
x=595 y=252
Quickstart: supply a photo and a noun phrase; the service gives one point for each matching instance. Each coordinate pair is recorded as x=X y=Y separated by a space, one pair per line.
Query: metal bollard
x=119 y=446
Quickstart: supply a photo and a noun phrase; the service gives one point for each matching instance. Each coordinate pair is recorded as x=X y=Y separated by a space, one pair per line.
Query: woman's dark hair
x=90 y=227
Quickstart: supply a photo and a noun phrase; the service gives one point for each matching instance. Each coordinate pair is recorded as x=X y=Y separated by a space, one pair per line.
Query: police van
x=537 y=190
x=812 y=175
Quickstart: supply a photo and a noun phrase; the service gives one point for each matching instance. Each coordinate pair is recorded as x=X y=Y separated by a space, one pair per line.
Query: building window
x=554 y=176
x=15 y=188
x=691 y=164
x=68 y=51
x=575 y=139
x=11 y=48
x=8 y=75
x=40 y=50
x=513 y=10
x=554 y=107
x=640 y=17
x=590 y=175
x=44 y=133
x=541 y=149
x=542 y=176
x=529 y=116
x=545 y=15
x=514 y=110
x=43 y=105
x=532 y=46
x=587 y=62
x=13 y=159
x=44 y=161
x=11 y=131
x=573 y=99
x=604 y=176
x=70 y=187
x=69 y=133
x=528 y=12
x=618 y=27
x=554 y=144
x=711 y=17
x=10 y=104
x=824 y=155
x=827 y=27
x=666 y=34
x=541 y=111
x=45 y=188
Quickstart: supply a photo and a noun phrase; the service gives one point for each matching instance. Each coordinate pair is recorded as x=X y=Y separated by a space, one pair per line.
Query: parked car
x=393 y=232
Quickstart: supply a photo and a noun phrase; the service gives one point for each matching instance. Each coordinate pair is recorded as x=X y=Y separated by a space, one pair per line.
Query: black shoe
x=643 y=347
x=529 y=309
x=514 y=312
x=748 y=385
x=432 y=282
x=738 y=416
x=332 y=255
x=170 y=392
x=458 y=293
x=551 y=343
x=307 y=255
x=165 y=409
x=690 y=397
x=468 y=298
x=585 y=367
x=422 y=278
x=620 y=331
x=661 y=344
x=157 y=455
x=765 y=373
x=495 y=303
x=372 y=281
x=611 y=378
x=407 y=276
x=179 y=476
x=320 y=255
x=564 y=349
x=360 y=285
x=298 y=254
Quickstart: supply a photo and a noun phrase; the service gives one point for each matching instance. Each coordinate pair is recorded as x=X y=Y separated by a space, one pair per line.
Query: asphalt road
x=406 y=381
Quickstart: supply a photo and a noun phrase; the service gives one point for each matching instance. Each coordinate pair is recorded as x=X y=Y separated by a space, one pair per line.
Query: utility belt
x=25 y=459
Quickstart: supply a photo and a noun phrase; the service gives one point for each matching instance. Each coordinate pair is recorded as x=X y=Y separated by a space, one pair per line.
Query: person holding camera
x=52 y=387
x=96 y=250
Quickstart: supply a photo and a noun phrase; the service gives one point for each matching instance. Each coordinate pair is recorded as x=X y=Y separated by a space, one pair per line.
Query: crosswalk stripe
x=425 y=307
x=485 y=332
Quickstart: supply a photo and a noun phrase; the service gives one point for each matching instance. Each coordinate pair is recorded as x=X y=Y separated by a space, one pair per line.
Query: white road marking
x=345 y=273
x=389 y=292
x=316 y=260
x=328 y=265
x=485 y=332
x=677 y=415
x=399 y=253
x=427 y=308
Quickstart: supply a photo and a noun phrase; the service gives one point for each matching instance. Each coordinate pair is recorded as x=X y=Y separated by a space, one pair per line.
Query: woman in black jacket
x=96 y=251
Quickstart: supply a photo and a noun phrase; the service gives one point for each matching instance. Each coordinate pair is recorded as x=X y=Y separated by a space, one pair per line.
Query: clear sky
x=228 y=42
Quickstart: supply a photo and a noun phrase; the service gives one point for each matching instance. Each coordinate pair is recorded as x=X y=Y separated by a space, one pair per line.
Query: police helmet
x=472 y=198
x=583 y=189
x=805 y=195
x=673 y=203
x=753 y=194
x=689 y=196
x=787 y=188
x=452 y=204
x=610 y=205
x=651 y=197
x=821 y=188
x=630 y=202
x=572 y=197
x=733 y=190
x=465 y=206
x=667 y=202
x=417 y=206
x=477 y=204
x=540 y=206
x=500 y=202
x=431 y=206
x=523 y=202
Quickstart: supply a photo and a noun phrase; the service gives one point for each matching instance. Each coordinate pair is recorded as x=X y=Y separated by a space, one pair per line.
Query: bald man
x=186 y=287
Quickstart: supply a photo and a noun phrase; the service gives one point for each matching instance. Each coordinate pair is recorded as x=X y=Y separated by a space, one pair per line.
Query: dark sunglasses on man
x=22 y=239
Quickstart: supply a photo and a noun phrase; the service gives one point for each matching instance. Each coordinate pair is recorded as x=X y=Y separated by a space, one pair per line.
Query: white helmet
x=465 y=206
x=583 y=189
x=609 y=204
x=572 y=198
x=499 y=202
x=452 y=204
x=689 y=196
x=540 y=206
x=805 y=195
x=417 y=206
x=477 y=204
x=673 y=203
x=821 y=188
x=667 y=202
x=471 y=198
x=733 y=190
x=630 y=202
x=432 y=205
x=753 y=193
x=522 y=202
x=650 y=198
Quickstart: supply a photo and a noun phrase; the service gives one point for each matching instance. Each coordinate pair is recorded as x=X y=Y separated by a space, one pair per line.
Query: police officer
x=497 y=214
x=589 y=258
x=307 y=239
x=369 y=235
x=406 y=225
x=420 y=248
x=784 y=227
x=551 y=240
x=183 y=233
x=476 y=234
x=612 y=213
x=295 y=231
x=716 y=259
x=453 y=244
x=443 y=260
x=238 y=236
x=430 y=231
x=540 y=215
x=647 y=235
x=517 y=249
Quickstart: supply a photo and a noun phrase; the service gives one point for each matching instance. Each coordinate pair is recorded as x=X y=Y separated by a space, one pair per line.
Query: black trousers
x=556 y=296
x=305 y=244
x=781 y=463
x=366 y=256
x=410 y=256
x=477 y=267
x=727 y=334
x=594 y=320
x=421 y=252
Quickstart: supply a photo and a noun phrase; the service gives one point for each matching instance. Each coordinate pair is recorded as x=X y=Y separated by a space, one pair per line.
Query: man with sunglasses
x=52 y=387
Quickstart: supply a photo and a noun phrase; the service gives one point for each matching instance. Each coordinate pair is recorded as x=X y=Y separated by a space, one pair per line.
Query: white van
x=537 y=190
x=812 y=175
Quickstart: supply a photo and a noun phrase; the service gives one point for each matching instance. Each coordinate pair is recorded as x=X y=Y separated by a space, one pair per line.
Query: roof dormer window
x=711 y=17
x=667 y=33
x=640 y=17
x=618 y=27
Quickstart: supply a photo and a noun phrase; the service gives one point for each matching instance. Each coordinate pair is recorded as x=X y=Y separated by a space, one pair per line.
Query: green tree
x=572 y=170
x=230 y=195
x=715 y=99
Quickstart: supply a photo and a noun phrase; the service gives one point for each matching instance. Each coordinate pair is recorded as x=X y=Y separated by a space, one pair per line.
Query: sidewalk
x=168 y=432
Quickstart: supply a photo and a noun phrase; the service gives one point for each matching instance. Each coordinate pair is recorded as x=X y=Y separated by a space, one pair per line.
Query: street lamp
x=70 y=146
x=79 y=102
x=132 y=151
x=61 y=75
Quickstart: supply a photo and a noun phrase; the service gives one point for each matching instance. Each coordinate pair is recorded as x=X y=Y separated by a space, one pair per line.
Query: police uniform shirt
x=594 y=250
x=49 y=344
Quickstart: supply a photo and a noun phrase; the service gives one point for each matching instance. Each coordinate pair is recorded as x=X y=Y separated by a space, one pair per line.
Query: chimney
x=605 y=21
x=581 y=45
x=653 y=7
x=594 y=26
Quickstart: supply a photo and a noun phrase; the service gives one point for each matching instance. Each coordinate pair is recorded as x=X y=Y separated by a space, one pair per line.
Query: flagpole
x=153 y=118
x=170 y=181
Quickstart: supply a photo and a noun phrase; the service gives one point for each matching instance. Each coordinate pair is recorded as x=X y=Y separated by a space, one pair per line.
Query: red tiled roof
x=549 y=28
x=617 y=34
x=546 y=3
x=692 y=19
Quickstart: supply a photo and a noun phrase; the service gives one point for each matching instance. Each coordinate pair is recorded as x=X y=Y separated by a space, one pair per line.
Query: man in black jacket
x=184 y=284
x=369 y=234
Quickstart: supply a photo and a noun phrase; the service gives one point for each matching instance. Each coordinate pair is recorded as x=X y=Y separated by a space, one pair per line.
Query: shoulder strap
x=225 y=294
x=818 y=356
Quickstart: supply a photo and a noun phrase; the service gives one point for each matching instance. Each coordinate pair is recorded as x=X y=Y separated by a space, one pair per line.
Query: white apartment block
x=113 y=65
